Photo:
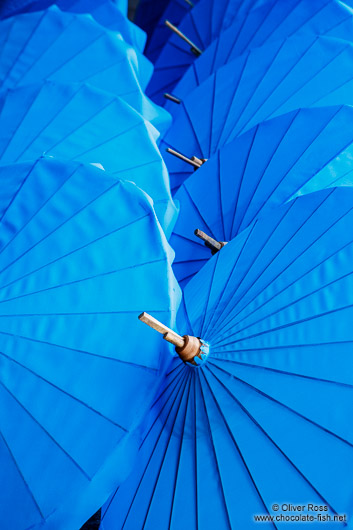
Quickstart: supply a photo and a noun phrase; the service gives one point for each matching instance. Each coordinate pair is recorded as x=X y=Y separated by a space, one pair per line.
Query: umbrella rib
x=195 y=455
x=219 y=169
x=287 y=407
x=75 y=350
x=157 y=161
x=98 y=145
x=179 y=455
x=209 y=229
x=348 y=46
x=176 y=372
x=251 y=95
x=44 y=51
x=234 y=440
x=282 y=308
x=197 y=33
x=180 y=390
x=47 y=432
x=265 y=169
x=257 y=424
x=192 y=127
x=337 y=87
x=63 y=138
x=107 y=67
x=5 y=42
x=178 y=379
x=179 y=411
x=13 y=133
x=207 y=298
x=16 y=193
x=41 y=206
x=276 y=370
x=164 y=88
x=67 y=220
x=232 y=98
x=306 y=20
x=291 y=263
x=21 y=475
x=288 y=325
x=224 y=289
x=286 y=212
x=212 y=445
x=244 y=169
x=189 y=240
x=180 y=49
x=71 y=396
x=81 y=280
x=52 y=119
x=34 y=29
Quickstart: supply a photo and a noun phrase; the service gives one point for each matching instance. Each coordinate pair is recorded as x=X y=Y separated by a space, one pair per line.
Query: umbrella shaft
x=195 y=50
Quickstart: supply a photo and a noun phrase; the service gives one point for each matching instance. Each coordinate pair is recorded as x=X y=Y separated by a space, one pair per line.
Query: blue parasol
x=82 y=123
x=276 y=78
x=82 y=254
x=297 y=153
x=108 y=13
x=246 y=430
x=67 y=47
x=175 y=11
x=198 y=29
x=262 y=25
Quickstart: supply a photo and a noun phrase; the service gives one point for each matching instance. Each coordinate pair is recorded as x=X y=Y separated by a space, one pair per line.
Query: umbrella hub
x=190 y=349
x=194 y=350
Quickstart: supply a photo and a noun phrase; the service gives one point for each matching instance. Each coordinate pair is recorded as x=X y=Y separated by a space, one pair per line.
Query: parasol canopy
x=82 y=254
x=246 y=430
x=67 y=47
x=302 y=71
x=89 y=125
x=296 y=153
x=262 y=25
x=108 y=13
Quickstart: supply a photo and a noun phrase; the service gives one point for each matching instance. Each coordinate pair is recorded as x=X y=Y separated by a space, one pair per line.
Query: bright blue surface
x=89 y=125
x=302 y=71
x=262 y=25
x=267 y=419
x=108 y=13
x=296 y=153
x=175 y=11
x=203 y=24
x=82 y=255
x=67 y=47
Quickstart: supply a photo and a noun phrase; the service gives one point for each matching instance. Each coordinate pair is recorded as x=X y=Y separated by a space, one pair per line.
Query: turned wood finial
x=209 y=242
x=195 y=50
x=187 y=347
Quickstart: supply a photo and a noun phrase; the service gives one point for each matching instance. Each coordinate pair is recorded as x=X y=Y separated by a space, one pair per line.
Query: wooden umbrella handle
x=168 y=334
